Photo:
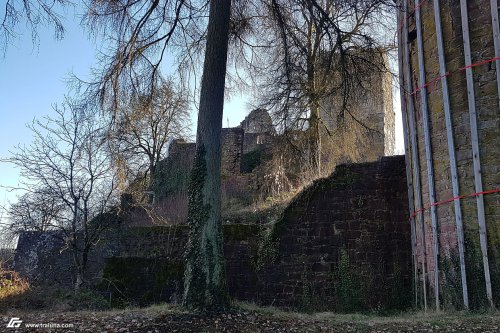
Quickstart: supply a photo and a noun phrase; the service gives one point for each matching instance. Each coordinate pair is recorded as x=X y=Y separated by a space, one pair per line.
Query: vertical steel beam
x=496 y=40
x=409 y=180
x=428 y=149
x=414 y=152
x=475 y=148
x=451 y=151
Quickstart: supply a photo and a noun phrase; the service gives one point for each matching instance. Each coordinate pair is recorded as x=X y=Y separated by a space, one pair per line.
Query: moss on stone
x=156 y=230
x=251 y=160
x=265 y=215
x=141 y=281
x=239 y=232
x=347 y=285
x=451 y=283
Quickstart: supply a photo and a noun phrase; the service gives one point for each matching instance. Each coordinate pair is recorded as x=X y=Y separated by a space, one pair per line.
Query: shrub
x=11 y=284
x=87 y=299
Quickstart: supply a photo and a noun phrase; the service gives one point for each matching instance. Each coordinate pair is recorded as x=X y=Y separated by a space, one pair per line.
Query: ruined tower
x=360 y=125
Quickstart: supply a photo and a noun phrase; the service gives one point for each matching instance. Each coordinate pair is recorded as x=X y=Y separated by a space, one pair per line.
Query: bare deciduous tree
x=143 y=31
x=31 y=13
x=142 y=34
x=67 y=161
x=34 y=211
x=142 y=129
x=313 y=47
x=313 y=50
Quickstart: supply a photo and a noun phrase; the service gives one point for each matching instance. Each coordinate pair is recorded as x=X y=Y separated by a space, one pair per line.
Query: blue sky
x=33 y=78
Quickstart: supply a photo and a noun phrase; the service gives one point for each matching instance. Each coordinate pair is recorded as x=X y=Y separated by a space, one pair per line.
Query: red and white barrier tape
x=412 y=216
x=439 y=78
x=461 y=69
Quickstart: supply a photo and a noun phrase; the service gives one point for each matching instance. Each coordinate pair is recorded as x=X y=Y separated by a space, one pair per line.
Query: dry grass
x=409 y=317
x=11 y=284
x=246 y=317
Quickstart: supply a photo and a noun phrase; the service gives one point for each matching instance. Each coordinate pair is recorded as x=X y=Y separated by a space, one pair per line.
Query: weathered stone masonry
x=335 y=242
x=488 y=120
x=342 y=244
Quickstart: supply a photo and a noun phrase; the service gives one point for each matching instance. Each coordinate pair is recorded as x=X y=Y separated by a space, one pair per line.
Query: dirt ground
x=247 y=318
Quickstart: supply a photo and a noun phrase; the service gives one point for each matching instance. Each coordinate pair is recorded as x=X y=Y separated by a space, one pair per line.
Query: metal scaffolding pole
x=475 y=148
x=496 y=40
x=409 y=180
x=451 y=151
x=414 y=152
x=428 y=150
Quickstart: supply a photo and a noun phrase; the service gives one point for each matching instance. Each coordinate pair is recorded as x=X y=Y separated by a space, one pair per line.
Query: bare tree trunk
x=79 y=272
x=314 y=139
x=79 y=281
x=205 y=282
x=152 y=174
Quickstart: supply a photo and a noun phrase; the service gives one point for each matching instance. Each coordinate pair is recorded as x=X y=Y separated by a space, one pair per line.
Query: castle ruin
x=349 y=225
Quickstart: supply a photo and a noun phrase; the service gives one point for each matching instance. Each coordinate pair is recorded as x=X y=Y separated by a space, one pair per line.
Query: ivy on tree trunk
x=204 y=278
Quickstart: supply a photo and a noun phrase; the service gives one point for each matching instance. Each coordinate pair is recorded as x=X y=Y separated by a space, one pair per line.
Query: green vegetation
x=474 y=272
x=53 y=298
x=171 y=177
x=347 y=285
x=142 y=281
x=86 y=299
x=251 y=160
x=451 y=288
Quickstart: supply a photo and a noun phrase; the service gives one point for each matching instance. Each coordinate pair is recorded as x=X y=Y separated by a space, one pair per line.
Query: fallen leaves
x=171 y=319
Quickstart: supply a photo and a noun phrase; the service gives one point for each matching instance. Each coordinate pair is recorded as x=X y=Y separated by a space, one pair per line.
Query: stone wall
x=39 y=257
x=488 y=119
x=258 y=121
x=138 y=265
x=342 y=244
x=259 y=131
x=173 y=172
x=45 y=258
x=257 y=141
x=364 y=131
x=232 y=149
x=149 y=266
x=172 y=176
x=171 y=181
